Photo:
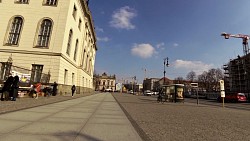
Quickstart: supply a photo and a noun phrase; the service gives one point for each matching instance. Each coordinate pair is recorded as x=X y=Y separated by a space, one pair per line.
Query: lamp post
x=164 y=72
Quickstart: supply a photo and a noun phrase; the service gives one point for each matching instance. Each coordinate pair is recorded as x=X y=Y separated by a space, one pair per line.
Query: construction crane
x=244 y=38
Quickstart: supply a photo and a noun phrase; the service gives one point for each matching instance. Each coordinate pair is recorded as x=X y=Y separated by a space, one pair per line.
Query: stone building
x=54 y=37
x=105 y=82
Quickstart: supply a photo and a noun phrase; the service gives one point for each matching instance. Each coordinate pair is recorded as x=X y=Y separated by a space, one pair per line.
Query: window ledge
x=41 y=47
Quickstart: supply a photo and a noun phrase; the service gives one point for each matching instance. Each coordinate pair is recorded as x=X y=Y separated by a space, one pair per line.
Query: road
x=239 y=106
x=186 y=121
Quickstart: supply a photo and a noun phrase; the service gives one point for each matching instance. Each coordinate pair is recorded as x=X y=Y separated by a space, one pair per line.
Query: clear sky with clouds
x=136 y=35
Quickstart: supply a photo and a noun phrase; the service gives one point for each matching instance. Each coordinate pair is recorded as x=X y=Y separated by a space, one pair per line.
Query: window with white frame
x=69 y=42
x=22 y=1
x=15 y=31
x=36 y=73
x=50 y=2
x=44 y=33
x=76 y=50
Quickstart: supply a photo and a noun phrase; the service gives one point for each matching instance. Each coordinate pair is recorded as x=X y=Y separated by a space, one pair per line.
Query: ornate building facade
x=105 y=82
x=54 y=37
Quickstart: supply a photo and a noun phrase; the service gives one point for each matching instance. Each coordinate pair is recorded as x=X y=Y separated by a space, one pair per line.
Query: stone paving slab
x=101 y=119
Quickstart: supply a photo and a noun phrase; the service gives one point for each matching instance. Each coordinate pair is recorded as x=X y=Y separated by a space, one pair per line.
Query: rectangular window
x=69 y=42
x=74 y=12
x=73 y=78
x=50 y=2
x=36 y=73
x=83 y=81
x=76 y=50
x=65 y=76
x=5 y=68
x=22 y=1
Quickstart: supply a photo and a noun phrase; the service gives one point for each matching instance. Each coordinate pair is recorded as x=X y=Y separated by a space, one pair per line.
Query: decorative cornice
x=89 y=16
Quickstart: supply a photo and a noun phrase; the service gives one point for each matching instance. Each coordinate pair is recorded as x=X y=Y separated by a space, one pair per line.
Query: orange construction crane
x=244 y=38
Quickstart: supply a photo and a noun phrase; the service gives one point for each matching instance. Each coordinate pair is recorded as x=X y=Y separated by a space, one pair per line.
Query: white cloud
x=160 y=45
x=122 y=17
x=143 y=50
x=175 y=45
x=104 y=39
x=99 y=29
x=197 y=66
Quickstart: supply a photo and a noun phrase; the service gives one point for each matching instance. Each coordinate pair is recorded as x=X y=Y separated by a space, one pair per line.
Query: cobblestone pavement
x=28 y=102
x=184 y=121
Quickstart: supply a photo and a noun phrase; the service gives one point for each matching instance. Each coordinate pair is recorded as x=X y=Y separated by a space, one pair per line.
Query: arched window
x=69 y=42
x=44 y=33
x=14 y=31
x=76 y=50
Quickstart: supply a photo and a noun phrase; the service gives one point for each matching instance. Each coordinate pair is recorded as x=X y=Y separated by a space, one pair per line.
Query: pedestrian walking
x=73 y=88
x=6 y=89
x=14 y=88
x=54 y=88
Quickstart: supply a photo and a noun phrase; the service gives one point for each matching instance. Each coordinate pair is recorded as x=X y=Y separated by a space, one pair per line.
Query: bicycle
x=160 y=99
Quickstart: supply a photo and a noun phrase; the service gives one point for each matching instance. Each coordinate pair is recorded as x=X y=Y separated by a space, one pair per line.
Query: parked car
x=148 y=93
x=108 y=90
x=155 y=93
x=234 y=97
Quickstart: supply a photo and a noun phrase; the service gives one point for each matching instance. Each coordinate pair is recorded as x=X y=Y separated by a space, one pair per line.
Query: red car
x=234 y=97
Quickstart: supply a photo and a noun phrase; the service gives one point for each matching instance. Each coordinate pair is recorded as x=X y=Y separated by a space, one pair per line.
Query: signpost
x=222 y=91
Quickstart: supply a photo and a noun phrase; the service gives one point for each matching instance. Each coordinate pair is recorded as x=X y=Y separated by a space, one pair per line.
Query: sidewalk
x=28 y=102
x=90 y=118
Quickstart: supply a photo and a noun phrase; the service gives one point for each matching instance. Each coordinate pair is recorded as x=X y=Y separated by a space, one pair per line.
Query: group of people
x=11 y=86
x=10 y=89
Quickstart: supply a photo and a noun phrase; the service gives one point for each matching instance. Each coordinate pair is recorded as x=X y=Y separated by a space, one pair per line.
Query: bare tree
x=191 y=76
x=203 y=80
x=210 y=80
x=179 y=80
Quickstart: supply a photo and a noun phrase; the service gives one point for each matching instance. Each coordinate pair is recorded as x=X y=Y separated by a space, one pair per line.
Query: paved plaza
x=90 y=118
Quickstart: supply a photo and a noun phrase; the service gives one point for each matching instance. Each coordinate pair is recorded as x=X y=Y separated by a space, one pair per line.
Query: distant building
x=165 y=81
x=151 y=84
x=54 y=37
x=104 y=82
x=237 y=74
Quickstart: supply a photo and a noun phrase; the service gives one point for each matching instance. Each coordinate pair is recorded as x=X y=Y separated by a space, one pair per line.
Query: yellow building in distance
x=54 y=37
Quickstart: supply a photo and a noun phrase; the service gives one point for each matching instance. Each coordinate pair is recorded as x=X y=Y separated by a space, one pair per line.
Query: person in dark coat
x=54 y=88
x=14 y=88
x=73 y=88
x=6 y=88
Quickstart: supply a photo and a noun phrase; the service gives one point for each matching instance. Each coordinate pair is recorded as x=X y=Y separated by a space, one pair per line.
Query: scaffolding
x=237 y=74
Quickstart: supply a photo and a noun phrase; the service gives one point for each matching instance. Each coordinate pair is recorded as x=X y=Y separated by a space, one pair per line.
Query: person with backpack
x=73 y=88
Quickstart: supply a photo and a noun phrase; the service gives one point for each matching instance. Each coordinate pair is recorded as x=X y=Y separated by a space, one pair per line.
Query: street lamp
x=164 y=72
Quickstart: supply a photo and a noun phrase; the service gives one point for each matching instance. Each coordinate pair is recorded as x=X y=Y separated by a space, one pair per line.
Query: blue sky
x=134 y=35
